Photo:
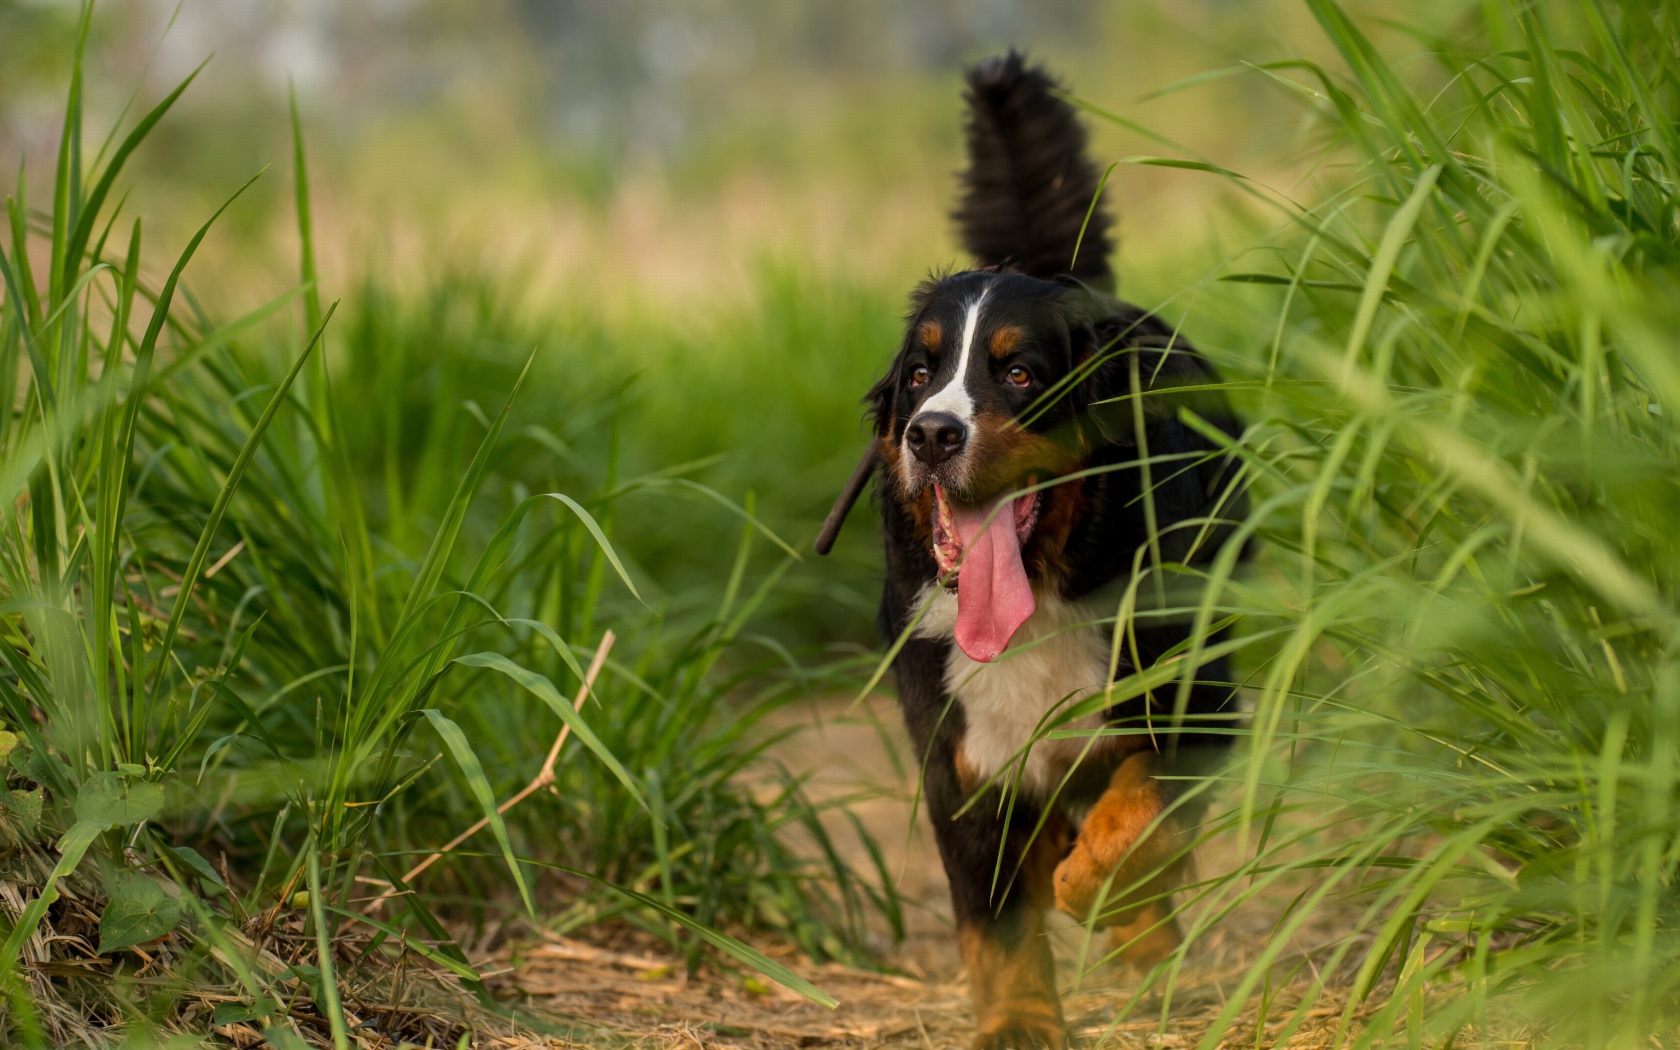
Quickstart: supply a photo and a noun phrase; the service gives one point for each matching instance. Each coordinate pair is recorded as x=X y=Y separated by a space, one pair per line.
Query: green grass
x=1455 y=353
x=1457 y=360
x=348 y=602
x=644 y=405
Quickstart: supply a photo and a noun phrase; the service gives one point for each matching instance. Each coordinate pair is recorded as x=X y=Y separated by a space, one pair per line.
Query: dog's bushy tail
x=1029 y=182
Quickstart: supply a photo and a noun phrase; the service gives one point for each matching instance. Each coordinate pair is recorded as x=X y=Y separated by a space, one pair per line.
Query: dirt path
x=641 y=997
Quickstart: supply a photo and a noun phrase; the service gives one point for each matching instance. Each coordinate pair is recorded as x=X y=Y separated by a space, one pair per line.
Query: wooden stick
x=544 y=777
x=849 y=495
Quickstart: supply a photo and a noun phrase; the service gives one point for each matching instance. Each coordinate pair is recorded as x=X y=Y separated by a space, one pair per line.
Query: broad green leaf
x=112 y=800
x=43 y=767
x=138 y=912
x=24 y=807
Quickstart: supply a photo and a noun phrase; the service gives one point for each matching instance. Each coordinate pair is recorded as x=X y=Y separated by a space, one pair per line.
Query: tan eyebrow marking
x=931 y=335
x=1005 y=340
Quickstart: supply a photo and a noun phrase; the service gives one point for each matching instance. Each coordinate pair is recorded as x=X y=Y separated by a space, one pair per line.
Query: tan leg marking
x=1015 y=1000
x=1043 y=855
x=1148 y=939
x=1109 y=844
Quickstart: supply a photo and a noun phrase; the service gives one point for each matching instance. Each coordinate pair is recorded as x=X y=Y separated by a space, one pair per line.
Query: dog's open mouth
x=982 y=559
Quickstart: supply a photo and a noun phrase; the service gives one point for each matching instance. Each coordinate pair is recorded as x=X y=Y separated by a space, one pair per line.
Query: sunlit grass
x=1459 y=386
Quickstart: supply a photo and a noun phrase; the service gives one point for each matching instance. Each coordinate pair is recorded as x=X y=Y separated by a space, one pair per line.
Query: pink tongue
x=993 y=596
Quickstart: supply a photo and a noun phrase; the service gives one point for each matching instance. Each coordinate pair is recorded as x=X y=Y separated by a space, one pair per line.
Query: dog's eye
x=1020 y=376
x=918 y=376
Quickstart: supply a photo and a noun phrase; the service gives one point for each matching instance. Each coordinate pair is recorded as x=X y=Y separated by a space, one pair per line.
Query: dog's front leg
x=1000 y=880
x=999 y=893
x=1125 y=863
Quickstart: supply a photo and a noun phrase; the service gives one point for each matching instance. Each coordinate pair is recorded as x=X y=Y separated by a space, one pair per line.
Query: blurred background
x=683 y=140
x=709 y=212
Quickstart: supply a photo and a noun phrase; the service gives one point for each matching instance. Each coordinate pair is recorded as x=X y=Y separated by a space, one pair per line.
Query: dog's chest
x=1055 y=660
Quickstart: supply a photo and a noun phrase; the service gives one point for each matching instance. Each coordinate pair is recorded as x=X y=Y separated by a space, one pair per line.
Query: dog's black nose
x=935 y=437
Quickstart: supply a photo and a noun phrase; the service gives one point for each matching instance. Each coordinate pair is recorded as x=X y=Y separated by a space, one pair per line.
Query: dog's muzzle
x=935 y=437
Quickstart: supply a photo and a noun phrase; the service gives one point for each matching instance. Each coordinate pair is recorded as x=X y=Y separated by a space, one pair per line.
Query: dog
x=1039 y=445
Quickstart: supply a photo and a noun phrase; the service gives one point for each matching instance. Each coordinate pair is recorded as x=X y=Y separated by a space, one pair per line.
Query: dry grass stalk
x=544 y=777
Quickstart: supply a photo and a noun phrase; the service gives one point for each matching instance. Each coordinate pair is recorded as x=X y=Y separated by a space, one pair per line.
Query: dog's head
x=984 y=402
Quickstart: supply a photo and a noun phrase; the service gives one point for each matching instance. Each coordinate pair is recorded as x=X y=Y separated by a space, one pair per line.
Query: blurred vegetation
x=688 y=208
x=1441 y=288
x=1457 y=361
x=736 y=222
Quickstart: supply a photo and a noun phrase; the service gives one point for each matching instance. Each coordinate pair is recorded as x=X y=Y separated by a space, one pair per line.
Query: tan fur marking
x=890 y=454
x=918 y=507
x=1005 y=340
x=967 y=776
x=1147 y=939
x=931 y=334
x=1014 y=988
x=1004 y=453
x=1112 y=842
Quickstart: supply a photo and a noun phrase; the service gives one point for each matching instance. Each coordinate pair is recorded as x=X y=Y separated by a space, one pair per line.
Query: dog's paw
x=1149 y=940
x=1021 y=1033
x=1079 y=882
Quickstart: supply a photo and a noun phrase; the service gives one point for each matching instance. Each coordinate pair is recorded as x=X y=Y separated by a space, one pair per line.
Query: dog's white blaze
x=1004 y=702
x=954 y=396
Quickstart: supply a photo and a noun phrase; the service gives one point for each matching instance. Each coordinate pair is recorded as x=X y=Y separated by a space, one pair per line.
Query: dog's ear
x=1134 y=361
x=1100 y=356
x=881 y=406
x=881 y=403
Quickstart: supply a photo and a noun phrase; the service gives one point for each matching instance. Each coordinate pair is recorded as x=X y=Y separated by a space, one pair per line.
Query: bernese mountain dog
x=1047 y=456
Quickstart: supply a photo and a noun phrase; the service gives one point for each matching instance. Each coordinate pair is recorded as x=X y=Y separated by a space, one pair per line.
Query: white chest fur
x=1056 y=659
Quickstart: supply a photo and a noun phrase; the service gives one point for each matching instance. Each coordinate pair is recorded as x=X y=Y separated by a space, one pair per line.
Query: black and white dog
x=1034 y=455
